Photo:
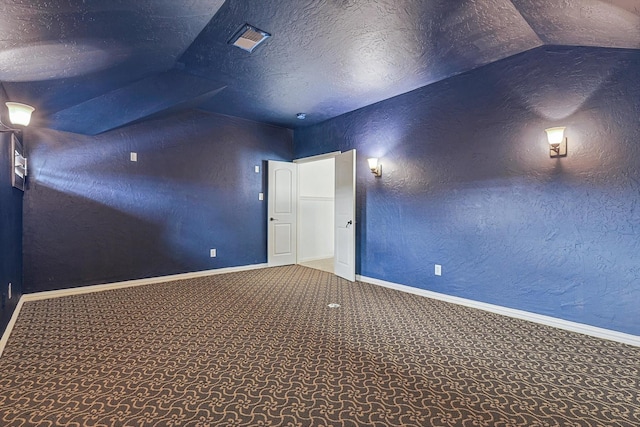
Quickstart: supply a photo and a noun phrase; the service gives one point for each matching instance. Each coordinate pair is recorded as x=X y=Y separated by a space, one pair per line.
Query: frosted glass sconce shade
x=557 y=141
x=376 y=168
x=19 y=114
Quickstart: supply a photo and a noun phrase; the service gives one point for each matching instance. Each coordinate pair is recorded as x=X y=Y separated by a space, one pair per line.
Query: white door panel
x=282 y=237
x=345 y=213
x=343 y=242
x=283 y=188
x=282 y=213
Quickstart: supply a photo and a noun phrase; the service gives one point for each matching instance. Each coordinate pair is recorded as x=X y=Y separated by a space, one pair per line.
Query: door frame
x=325 y=156
x=309 y=159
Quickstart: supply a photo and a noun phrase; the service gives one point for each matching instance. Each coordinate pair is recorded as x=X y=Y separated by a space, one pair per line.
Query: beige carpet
x=325 y=264
x=262 y=348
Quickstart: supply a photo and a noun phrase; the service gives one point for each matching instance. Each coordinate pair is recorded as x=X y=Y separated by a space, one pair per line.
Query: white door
x=282 y=202
x=345 y=216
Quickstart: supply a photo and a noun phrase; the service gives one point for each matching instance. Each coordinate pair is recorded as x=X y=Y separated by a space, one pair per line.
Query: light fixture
x=248 y=37
x=557 y=142
x=301 y=116
x=376 y=168
x=19 y=114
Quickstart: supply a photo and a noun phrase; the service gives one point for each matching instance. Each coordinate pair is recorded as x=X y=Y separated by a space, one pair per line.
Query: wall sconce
x=376 y=168
x=19 y=114
x=557 y=142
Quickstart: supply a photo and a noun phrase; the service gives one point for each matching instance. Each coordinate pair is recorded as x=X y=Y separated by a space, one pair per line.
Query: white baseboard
x=581 y=328
x=38 y=296
x=12 y=322
x=317 y=258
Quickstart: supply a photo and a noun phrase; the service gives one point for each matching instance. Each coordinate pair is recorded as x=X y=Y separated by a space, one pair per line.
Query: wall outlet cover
x=213 y=253
x=438 y=270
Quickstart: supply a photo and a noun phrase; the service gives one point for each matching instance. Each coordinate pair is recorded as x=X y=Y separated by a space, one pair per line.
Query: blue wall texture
x=10 y=235
x=93 y=216
x=468 y=183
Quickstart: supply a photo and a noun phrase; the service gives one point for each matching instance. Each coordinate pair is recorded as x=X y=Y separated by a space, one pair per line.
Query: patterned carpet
x=262 y=348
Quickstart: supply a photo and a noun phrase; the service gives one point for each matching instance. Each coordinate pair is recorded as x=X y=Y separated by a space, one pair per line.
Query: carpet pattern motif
x=262 y=348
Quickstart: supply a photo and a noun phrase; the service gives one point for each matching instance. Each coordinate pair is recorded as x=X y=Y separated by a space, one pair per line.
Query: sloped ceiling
x=89 y=66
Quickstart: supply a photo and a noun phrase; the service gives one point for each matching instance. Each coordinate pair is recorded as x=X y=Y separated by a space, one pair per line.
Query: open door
x=345 y=215
x=282 y=213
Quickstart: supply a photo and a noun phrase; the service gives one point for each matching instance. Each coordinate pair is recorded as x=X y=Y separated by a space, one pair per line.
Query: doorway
x=316 y=205
x=328 y=213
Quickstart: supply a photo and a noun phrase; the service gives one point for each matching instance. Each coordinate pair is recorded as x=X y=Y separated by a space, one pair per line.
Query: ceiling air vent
x=248 y=37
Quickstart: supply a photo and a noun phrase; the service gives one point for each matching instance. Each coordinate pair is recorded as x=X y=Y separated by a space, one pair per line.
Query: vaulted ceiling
x=90 y=66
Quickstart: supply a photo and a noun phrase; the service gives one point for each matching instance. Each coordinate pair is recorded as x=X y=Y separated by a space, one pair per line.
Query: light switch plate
x=260 y=196
x=213 y=253
x=257 y=169
x=134 y=156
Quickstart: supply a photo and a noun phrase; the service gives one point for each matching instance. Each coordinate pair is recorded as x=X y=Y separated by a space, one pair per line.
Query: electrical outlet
x=256 y=169
x=134 y=156
x=438 y=270
x=213 y=253
x=260 y=196
x=9 y=290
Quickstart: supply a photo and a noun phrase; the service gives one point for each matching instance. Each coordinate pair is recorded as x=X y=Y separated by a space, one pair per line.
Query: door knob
x=349 y=223
x=272 y=219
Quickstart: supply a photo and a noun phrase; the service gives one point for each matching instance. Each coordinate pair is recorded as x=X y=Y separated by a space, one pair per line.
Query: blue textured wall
x=10 y=235
x=93 y=216
x=468 y=183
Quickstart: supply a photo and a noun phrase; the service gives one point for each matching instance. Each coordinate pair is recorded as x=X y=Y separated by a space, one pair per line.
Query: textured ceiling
x=89 y=66
x=57 y=54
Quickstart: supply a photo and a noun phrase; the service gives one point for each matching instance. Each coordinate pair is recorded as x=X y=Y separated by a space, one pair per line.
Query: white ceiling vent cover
x=248 y=38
